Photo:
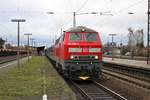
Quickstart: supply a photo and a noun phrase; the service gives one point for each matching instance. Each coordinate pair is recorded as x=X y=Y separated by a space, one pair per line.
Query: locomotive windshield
x=90 y=37
x=75 y=36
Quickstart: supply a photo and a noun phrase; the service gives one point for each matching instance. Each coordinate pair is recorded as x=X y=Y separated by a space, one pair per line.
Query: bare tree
x=139 y=38
x=136 y=42
x=139 y=42
x=131 y=42
x=2 y=42
x=8 y=46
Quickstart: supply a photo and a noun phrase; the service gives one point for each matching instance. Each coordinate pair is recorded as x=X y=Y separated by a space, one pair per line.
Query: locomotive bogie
x=79 y=70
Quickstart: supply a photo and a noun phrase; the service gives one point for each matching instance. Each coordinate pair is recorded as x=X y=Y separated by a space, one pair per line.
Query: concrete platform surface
x=128 y=62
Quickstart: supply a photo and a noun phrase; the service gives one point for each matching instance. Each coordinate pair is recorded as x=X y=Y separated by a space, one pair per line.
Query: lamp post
x=28 y=42
x=51 y=13
x=121 y=45
x=74 y=19
x=112 y=35
x=32 y=41
x=148 y=34
x=18 y=51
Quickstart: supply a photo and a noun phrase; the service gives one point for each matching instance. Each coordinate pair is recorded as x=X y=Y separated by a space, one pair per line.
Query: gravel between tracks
x=128 y=90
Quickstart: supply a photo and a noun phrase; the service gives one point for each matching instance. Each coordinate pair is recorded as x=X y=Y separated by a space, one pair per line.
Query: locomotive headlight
x=71 y=57
x=96 y=57
x=94 y=49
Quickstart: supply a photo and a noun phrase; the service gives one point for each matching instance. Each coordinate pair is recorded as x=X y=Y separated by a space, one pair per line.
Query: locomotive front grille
x=84 y=57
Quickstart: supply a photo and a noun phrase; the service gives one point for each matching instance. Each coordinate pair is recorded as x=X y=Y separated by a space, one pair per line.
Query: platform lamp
x=112 y=35
x=32 y=41
x=18 y=51
x=28 y=42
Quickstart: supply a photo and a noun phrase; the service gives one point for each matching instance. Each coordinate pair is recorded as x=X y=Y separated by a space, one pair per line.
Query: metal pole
x=112 y=45
x=18 y=51
x=74 y=19
x=148 y=34
x=32 y=46
x=121 y=49
x=28 y=46
x=28 y=34
x=112 y=48
x=32 y=39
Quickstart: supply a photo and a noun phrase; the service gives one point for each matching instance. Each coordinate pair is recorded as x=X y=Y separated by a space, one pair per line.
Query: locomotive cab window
x=91 y=37
x=75 y=36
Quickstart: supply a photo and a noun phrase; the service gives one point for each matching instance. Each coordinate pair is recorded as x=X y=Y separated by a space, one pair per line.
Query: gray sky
x=45 y=27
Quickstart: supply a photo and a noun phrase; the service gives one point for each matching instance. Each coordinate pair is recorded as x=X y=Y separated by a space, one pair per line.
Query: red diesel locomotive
x=78 y=54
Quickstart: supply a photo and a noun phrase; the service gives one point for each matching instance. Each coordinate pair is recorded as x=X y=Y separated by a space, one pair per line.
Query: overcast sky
x=45 y=27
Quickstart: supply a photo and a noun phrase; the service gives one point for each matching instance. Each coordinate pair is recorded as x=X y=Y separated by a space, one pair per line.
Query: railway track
x=137 y=76
x=9 y=58
x=96 y=91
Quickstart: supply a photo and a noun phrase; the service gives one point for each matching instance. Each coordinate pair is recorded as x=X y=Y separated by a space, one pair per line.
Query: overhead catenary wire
x=82 y=6
x=67 y=22
x=70 y=4
x=130 y=6
x=120 y=11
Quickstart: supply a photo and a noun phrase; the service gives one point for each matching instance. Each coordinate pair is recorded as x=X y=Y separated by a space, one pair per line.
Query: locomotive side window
x=90 y=37
x=75 y=36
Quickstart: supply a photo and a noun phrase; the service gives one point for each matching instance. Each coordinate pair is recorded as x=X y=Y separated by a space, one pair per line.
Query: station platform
x=128 y=62
x=33 y=80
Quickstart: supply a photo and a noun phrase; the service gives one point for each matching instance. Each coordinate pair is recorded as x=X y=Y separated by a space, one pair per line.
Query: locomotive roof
x=80 y=29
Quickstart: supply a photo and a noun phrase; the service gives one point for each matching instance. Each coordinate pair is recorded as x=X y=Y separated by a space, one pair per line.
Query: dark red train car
x=78 y=53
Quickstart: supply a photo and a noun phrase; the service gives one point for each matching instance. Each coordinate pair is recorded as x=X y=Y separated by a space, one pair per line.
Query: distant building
x=40 y=50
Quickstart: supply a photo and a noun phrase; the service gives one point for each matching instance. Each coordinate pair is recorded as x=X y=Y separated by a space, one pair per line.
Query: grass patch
x=26 y=82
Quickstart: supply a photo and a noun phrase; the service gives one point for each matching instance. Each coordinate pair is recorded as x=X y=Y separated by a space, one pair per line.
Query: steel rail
x=127 y=73
x=114 y=94
x=138 y=73
x=96 y=91
x=83 y=93
x=127 y=79
x=9 y=59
